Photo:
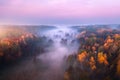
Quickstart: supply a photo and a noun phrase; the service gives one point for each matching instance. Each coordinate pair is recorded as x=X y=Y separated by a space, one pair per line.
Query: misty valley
x=86 y=52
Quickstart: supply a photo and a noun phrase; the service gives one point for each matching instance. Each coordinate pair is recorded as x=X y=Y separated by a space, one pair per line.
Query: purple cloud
x=56 y=10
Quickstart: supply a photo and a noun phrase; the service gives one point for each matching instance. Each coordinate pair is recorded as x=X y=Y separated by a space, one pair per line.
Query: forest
x=93 y=53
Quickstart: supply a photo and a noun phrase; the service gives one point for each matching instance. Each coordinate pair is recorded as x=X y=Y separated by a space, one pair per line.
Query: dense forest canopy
x=83 y=52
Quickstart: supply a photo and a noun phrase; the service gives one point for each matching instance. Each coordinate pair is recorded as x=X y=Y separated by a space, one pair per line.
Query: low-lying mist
x=58 y=52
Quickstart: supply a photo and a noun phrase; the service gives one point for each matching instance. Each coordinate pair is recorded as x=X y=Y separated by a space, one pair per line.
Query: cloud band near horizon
x=60 y=11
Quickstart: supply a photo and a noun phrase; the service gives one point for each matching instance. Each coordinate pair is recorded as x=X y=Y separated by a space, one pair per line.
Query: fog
x=57 y=53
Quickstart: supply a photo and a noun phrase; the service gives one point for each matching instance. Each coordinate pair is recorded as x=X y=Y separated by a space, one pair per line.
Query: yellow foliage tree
x=92 y=63
x=102 y=58
x=82 y=56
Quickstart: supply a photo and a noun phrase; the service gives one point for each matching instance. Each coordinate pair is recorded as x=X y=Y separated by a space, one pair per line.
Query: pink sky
x=58 y=11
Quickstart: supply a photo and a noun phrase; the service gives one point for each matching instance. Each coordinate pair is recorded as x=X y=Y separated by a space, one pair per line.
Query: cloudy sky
x=60 y=11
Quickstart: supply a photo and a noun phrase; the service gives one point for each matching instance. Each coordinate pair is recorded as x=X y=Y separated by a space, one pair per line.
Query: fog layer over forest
x=59 y=52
